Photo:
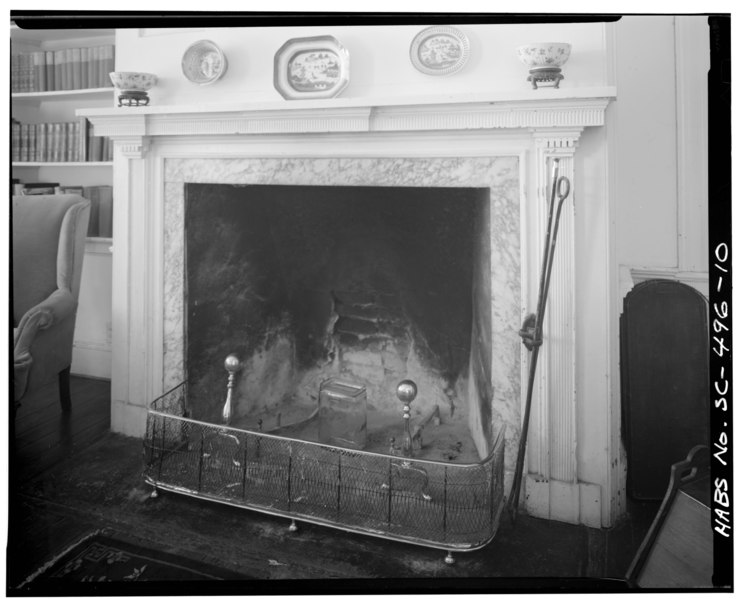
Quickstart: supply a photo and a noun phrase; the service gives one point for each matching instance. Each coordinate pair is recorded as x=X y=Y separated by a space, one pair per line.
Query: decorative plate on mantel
x=440 y=50
x=204 y=62
x=311 y=67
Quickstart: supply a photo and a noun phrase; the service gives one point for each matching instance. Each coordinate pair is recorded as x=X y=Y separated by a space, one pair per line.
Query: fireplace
x=406 y=251
x=500 y=145
x=307 y=280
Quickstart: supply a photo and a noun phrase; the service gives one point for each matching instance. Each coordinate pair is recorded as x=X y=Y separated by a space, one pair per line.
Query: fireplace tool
x=231 y=365
x=532 y=329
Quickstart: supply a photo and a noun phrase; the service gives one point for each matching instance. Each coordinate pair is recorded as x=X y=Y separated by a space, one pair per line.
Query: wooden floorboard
x=44 y=436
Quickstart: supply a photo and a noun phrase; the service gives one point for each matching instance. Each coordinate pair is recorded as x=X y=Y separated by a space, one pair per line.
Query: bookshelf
x=49 y=142
x=38 y=105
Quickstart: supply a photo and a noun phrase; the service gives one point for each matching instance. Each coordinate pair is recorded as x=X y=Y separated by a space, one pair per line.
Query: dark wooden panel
x=665 y=393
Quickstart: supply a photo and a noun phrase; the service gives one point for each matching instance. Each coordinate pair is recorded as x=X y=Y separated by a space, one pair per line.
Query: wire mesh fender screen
x=452 y=506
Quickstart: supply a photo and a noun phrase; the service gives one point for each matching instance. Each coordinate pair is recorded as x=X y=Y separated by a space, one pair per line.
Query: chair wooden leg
x=64 y=390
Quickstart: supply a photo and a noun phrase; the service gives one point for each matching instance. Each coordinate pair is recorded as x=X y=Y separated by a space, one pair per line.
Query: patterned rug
x=100 y=559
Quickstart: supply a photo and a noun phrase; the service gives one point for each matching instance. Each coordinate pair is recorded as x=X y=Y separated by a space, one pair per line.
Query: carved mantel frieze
x=568 y=110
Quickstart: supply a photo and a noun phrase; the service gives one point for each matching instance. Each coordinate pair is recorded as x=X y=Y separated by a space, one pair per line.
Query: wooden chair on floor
x=677 y=552
x=49 y=234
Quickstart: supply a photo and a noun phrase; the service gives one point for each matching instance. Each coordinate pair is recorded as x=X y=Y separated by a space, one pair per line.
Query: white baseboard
x=574 y=503
x=128 y=419
x=92 y=360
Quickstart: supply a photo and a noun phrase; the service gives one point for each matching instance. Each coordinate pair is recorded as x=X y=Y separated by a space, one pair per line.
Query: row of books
x=58 y=142
x=56 y=70
x=100 y=196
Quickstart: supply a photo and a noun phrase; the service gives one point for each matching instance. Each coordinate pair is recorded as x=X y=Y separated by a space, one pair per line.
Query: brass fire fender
x=454 y=507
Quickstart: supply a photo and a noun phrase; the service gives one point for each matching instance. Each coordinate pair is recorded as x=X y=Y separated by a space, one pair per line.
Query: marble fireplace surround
x=458 y=142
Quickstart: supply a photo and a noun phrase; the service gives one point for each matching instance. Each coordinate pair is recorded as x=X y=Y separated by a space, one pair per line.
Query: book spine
x=107 y=63
x=99 y=66
x=14 y=62
x=38 y=134
x=15 y=139
x=75 y=126
x=70 y=139
x=82 y=139
x=59 y=142
x=24 y=142
x=88 y=143
x=76 y=68
x=62 y=142
x=65 y=153
x=49 y=65
x=31 y=143
x=95 y=149
x=23 y=73
x=76 y=189
x=55 y=142
x=39 y=71
x=41 y=188
x=30 y=73
x=41 y=142
x=84 y=59
x=60 y=132
x=59 y=70
x=93 y=58
x=49 y=141
x=68 y=68
x=105 y=211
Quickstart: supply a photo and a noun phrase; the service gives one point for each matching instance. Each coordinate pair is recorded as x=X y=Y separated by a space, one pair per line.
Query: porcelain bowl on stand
x=133 y=86
x=545 y=60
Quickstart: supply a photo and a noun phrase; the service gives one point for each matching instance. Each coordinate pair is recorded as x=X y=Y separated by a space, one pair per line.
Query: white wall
x=379 y=60
x=646 y=188
x=657 y=178
x=660 y=142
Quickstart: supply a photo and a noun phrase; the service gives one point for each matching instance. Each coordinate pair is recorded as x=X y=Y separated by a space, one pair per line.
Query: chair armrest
x=55 y=308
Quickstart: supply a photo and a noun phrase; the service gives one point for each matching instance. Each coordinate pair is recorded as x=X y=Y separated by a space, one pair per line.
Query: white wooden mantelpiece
x=542 y=108
x=536 y=125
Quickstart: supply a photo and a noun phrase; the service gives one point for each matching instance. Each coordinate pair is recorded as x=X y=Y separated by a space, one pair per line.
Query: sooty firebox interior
x=369 y=285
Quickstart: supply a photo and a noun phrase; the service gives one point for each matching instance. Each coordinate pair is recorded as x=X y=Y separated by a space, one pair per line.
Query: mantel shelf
x=542 y=108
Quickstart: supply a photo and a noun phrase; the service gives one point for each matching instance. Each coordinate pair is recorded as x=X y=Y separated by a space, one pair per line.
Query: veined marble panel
x=500 y=174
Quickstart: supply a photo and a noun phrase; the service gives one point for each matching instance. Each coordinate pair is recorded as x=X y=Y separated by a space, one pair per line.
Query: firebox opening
x=368 y=285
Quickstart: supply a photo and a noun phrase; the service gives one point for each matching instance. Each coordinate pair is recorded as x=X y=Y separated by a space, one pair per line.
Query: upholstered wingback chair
x=48 y=247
